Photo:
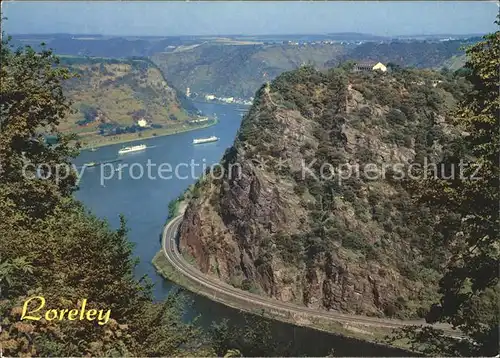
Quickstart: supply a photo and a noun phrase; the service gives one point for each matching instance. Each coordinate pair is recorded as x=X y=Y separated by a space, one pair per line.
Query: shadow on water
x=282 y=339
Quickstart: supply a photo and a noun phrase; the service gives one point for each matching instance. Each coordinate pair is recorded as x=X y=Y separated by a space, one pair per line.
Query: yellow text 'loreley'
x=74 y=314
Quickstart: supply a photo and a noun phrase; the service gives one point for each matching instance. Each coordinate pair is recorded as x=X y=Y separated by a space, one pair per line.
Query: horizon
x=243 y=34
x=248 y=18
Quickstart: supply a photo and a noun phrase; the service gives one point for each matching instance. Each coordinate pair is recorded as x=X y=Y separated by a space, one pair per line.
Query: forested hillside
x=420 y=54
x=350 y=244
x=51 y=246
x=237 y=70
x=292 y=217
x=240 y=70
x=109 y=97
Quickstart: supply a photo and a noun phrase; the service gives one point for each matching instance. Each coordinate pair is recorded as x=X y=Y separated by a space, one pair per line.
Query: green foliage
x=52 y=247
x=32 y=99
x=364 y=219
x=421 y=54
x=469 y=287
x=12 y=272
x=89 y=114
x=396 y=116
x=173 y=207
x=252 y=339
x=291 y=248
x=355 y=242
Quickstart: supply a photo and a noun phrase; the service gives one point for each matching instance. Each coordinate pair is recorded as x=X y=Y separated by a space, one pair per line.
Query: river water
x=143 y=200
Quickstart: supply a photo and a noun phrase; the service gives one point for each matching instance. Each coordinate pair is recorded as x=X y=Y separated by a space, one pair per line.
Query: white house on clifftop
x=370 y=66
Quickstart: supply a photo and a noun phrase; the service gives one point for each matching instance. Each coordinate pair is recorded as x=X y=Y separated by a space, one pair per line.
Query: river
x=143 y=200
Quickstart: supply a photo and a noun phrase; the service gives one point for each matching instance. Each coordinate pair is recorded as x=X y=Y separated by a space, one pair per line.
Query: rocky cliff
x=290 y=216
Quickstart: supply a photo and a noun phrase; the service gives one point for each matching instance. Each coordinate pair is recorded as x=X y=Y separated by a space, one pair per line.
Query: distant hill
x=420 y=54
x=111 y=97
x=236 y=65
x=356 y=36
x=439 y=36
x=126 y=46
x=238 y=70
x=101 y=46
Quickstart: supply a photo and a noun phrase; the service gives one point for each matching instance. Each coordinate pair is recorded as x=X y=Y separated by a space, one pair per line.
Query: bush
x=89 y=114
x=291 y=248
x=354 y=241
x=395 y=116
x=246 y=284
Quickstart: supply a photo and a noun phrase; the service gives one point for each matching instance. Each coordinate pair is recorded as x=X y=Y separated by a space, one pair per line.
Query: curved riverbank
x=171 y=264
x=132 y=137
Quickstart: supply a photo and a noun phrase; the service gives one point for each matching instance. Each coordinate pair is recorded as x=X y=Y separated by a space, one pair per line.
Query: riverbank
x=359 y=333
x=365 y=333
x=101 y=141
x=240 y=106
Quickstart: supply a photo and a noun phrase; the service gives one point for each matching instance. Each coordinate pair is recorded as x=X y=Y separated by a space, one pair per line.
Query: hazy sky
x=207 y=18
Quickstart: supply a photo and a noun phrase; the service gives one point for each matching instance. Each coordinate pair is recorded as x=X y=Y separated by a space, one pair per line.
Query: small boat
x=134 y=148
x=93 y=149
x=91 y=164
x=205 y=140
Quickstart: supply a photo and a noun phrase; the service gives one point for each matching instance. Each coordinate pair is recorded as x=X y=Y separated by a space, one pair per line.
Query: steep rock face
x=269 y=222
